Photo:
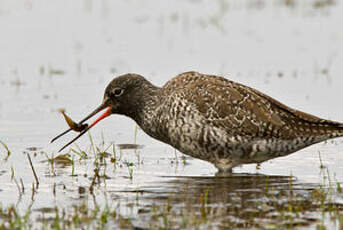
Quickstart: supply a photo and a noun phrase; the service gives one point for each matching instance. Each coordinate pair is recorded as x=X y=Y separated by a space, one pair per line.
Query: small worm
x=72 y=124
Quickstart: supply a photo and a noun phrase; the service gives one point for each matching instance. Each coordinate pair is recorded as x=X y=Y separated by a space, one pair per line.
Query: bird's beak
x=97 y=110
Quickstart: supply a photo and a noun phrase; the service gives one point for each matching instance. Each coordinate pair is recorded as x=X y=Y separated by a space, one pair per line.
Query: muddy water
x=62 y=55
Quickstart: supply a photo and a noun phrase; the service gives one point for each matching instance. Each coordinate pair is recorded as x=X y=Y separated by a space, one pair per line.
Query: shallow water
x=62 y=55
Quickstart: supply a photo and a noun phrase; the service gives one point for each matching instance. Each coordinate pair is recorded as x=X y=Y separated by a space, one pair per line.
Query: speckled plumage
x=217 y=120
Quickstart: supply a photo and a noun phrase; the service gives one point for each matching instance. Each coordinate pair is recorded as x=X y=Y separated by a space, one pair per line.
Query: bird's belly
x=229 y=151
x=206 y=143
x=192 y=135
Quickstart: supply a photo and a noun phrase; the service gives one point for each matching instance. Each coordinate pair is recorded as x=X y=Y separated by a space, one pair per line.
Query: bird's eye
x=118 y=91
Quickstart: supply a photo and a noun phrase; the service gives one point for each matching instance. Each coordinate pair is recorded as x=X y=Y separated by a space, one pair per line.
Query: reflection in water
x=241 y=200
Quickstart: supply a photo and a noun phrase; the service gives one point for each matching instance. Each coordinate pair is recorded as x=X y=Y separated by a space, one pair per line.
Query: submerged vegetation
x=7 y=151
x=216 y=208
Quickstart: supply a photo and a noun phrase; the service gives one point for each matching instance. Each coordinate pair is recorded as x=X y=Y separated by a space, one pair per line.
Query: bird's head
x=125 y=94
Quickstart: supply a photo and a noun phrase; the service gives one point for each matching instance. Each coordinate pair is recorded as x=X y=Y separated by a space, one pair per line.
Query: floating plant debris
x=63 y=159
x=130 y=146
x=33 y=149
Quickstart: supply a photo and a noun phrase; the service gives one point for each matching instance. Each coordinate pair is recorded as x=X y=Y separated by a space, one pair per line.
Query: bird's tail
x=328 y=128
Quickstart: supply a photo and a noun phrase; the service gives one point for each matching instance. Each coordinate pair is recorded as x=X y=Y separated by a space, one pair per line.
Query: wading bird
x=213 y=119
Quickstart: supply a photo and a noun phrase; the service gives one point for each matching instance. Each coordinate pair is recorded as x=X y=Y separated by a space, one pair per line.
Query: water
x=62 y=55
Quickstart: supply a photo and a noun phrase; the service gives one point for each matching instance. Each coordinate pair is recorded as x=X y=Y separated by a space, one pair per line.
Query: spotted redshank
x=213 y=119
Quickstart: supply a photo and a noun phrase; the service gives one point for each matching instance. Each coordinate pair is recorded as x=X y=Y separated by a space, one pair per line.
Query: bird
x=212 y=118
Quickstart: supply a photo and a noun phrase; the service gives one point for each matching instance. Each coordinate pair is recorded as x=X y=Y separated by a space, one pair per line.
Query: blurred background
x=62 y=54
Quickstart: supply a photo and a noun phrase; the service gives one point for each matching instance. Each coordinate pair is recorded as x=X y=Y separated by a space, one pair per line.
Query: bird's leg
x=224 y=167
x=224 y=173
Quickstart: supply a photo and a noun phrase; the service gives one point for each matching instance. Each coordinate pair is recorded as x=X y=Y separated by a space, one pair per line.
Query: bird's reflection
x=223 y=189
x=243 y=198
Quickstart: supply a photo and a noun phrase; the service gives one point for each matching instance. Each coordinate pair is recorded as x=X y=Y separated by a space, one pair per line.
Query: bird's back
x=241 y=114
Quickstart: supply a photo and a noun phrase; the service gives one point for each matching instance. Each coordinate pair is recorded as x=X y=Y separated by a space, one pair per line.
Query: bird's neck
x=145 y=107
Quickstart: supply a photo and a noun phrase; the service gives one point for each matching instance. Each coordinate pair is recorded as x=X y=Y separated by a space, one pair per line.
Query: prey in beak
x=83 y=128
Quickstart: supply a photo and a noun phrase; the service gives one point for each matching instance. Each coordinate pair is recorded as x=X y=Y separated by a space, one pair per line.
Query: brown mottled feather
x=236 y=101
x=217 y=120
